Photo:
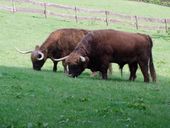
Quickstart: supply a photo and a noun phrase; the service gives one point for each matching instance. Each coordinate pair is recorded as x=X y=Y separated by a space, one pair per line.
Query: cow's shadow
x=112 y=77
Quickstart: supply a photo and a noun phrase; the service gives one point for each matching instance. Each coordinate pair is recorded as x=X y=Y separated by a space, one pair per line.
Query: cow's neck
x=47 y=47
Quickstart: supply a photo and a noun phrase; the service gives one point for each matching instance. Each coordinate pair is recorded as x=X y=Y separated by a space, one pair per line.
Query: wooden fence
x=139 y=22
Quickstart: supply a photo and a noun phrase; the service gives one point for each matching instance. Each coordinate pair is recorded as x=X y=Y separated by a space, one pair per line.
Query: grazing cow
x=58 y=44
x=101 y=47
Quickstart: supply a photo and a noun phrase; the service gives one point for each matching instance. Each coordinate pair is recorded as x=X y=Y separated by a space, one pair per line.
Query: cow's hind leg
x=144 y=68
x=133 y=68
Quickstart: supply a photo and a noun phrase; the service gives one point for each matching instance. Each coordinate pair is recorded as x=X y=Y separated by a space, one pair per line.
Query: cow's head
x=38 y=57
x=76 y=64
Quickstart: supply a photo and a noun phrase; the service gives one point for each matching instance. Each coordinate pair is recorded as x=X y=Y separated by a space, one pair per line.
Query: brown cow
x=58 y=44
x=101 y=47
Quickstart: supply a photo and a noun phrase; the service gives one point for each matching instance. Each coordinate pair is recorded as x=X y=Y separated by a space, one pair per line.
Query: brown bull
x=101 y=47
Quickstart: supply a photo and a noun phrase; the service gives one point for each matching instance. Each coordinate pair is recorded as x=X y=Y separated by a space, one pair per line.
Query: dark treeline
x=160 y=2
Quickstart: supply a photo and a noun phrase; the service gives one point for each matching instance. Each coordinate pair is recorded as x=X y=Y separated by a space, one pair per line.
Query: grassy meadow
x=32 y=99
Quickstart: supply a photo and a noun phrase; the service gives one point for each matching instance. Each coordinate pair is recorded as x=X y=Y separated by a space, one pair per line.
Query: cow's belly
x=124 y=59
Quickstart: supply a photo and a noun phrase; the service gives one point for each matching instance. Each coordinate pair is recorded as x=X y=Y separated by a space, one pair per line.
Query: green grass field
x=32 y=99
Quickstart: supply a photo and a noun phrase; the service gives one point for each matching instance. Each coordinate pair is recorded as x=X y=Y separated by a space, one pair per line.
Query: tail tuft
x=151 y=65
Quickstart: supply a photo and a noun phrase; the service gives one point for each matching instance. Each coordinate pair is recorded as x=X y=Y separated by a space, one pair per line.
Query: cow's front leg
x=55 y=66
x=65 y=67
x=104 y=68
x=104 y=75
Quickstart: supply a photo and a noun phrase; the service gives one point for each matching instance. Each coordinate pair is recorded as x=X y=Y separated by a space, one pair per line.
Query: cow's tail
x=151 y=65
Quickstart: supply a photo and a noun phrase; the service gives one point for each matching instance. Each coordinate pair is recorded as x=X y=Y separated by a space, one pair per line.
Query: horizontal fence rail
x=139 y=22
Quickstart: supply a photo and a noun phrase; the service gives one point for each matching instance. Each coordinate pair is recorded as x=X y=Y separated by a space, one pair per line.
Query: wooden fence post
x=45 y=10
x=75 y=9
x=13 y=6
x=166 y=25
x=106 y=13
x=136 y=22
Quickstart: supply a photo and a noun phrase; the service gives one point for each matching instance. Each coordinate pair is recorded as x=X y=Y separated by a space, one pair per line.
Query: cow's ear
x=37 y=47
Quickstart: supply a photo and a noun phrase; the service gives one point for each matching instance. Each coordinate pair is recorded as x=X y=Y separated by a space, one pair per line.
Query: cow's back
x=63 y=41
x=118 y=45
x=69 y=38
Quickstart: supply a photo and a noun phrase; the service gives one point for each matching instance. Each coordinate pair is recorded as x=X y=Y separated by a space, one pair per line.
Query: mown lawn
x=45 y=99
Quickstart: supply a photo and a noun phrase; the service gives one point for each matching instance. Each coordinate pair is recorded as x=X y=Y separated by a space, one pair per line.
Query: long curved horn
x=60 y=59
x=23 y=52
x=42 y=55
x=83 y=59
